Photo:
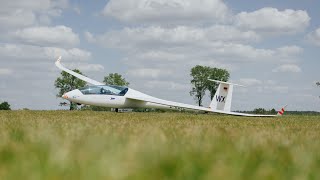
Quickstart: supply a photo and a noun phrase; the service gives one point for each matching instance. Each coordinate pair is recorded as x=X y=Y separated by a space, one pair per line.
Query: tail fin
x=223 y=97
x=280 y=113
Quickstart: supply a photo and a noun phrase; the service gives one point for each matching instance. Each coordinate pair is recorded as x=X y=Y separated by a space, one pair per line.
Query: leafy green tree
x=199 y=82
x=216 y=74
x=115 y=79
x=67 y=83
x=5 y=106
x=273 y=111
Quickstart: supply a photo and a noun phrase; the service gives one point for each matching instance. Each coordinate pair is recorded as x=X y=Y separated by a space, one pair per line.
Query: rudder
x=223 y=97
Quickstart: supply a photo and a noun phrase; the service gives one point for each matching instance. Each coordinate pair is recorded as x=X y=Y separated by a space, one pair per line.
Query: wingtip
x=281 y=112
x=59 y=59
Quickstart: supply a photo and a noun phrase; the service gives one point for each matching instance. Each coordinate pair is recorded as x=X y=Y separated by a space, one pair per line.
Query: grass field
x=105 y=145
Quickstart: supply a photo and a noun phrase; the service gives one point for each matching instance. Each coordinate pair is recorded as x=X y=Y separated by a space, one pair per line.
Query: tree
x=199 y=82
x=216 y=74
x=5 y=106
x=259 y=111
x=67 y=83
x=115 y=79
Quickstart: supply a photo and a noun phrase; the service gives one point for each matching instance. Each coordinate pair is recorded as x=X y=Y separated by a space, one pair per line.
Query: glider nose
x=72 y=94
x=65 y=96
x=68 y=95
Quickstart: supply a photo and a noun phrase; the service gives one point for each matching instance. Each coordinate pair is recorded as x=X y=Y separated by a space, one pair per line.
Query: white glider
x=123 y=97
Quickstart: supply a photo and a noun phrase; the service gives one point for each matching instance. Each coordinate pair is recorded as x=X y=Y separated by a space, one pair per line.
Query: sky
x=270 y=46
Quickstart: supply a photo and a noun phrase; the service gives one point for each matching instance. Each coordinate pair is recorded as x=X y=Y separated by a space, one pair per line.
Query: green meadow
x=106 y=145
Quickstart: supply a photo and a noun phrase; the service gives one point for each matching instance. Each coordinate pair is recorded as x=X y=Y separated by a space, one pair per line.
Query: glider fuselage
x=123 y=97
x=111 y=100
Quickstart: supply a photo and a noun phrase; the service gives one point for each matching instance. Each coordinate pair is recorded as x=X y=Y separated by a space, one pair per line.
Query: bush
x=5 y=106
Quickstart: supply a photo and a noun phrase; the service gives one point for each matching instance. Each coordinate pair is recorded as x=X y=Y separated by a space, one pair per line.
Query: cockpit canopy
x=104 y=90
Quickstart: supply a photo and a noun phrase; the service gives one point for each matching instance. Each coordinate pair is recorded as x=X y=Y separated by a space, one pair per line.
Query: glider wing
x=82 y=77
x=176 y=105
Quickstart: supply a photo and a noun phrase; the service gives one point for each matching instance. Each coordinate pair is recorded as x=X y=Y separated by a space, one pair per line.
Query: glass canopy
x=104 y=90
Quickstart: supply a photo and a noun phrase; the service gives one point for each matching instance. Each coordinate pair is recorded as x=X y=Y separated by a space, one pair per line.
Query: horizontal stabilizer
x=226 y=83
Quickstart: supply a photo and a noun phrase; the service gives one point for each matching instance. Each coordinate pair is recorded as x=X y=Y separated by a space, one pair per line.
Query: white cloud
x=275 y=89
x=33 y=5
x=61 y=36
x=262 y=86
x=240 y=52
x=314 y=37
x=287 y=68
x=167 y=11
x=89 y=37
x=273 y=21
x=85 y=67
x=167 y=85
x=23 y=52
x=250 y=81
x=230 y=33
x=20 y=13
x=184 y=42
x=257 y=87
x=5 y=72
x=77 y=10
x=17 y=18
x=270 y=82
x=158 y=55
x=180 y=35
x=287 y=51
x=149 y=73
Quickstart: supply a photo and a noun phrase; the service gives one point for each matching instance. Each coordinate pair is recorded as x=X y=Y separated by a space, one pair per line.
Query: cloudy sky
x=270 y=46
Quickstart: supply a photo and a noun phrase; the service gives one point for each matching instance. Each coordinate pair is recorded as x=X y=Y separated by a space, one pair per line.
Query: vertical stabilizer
x=223 y=98
x=281 y=112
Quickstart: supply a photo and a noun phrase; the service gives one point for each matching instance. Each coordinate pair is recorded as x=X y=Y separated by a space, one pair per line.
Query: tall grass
x=105 y=145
